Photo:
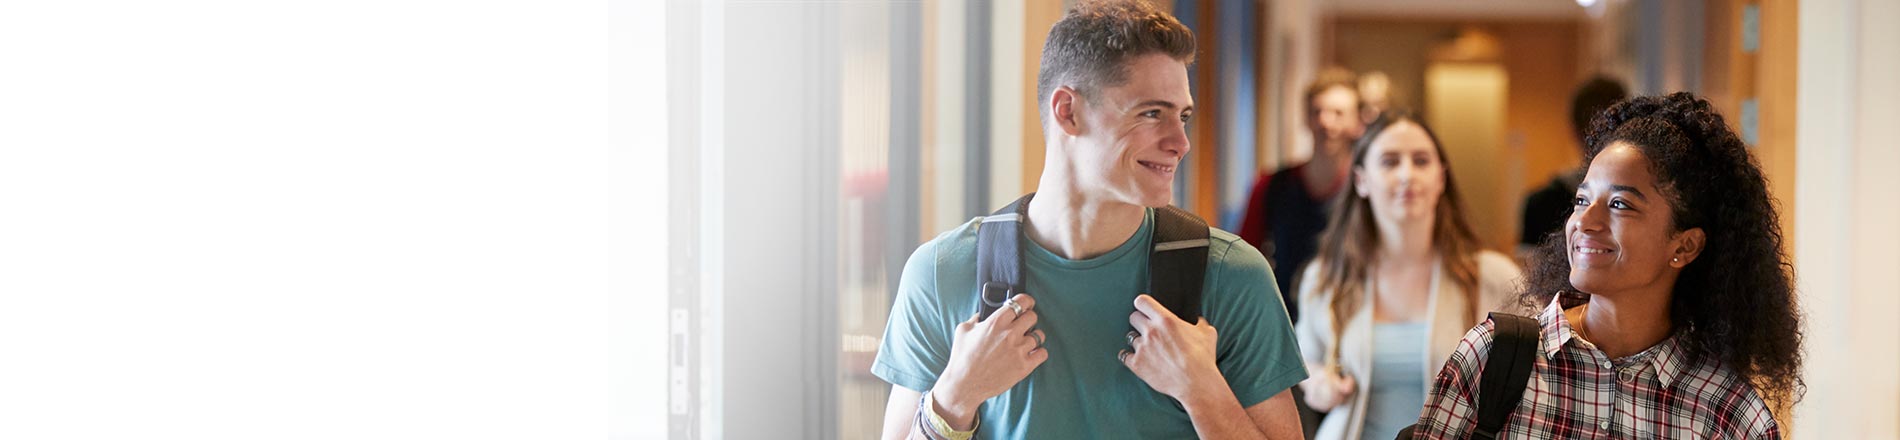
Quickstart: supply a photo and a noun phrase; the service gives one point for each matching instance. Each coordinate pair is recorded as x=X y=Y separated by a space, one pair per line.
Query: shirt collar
x=1556 y=327
x=1667 y=360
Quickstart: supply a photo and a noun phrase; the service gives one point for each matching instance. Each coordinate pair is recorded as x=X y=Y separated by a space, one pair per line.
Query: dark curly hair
x=1735 y=302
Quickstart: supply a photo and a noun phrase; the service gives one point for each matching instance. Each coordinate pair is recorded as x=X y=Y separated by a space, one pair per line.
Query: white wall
x=1006 y=102
x=1847 y=248
x=639 y=138
x=352 y=220
x=769 y=150
x=947 y=145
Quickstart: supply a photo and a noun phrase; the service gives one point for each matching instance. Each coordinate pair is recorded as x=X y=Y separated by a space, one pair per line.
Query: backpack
x=1175 y=268
x=1513 y=352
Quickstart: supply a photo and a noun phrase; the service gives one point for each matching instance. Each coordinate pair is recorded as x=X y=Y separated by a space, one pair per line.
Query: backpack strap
x=1513 y=353
x=999 y=258
x=1179 y=263
x=1507 y=372
x=1175 y=269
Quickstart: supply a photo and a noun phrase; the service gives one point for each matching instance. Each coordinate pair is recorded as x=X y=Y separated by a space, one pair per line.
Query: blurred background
x=811 y=145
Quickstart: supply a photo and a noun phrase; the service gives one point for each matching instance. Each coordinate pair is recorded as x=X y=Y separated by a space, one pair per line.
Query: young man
x=1288 y=209
x=1060 y=361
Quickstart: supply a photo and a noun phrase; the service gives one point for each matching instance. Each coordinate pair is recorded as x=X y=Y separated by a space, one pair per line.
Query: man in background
x=1288 y=208
x=1546 y=208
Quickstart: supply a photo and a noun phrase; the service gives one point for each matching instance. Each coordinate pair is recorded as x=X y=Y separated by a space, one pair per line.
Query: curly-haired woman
x=1670 y=310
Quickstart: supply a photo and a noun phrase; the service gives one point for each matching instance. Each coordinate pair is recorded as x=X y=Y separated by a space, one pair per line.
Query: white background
x=346 y=219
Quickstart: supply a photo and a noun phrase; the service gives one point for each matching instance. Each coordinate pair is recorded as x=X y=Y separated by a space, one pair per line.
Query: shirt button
x=1626 y=376
x=1606 y=364
x=1604 y=424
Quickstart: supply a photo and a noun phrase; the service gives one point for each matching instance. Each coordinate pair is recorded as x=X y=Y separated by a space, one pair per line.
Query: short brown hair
x=1327 y=79
x=1090 y=47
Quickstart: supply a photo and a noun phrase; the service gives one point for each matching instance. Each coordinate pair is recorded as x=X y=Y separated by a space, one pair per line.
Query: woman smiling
x=1668 y=306
x=1399 y=277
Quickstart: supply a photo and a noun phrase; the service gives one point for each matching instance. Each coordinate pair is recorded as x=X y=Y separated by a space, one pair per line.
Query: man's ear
x=1688 y=246
x=1062 y=108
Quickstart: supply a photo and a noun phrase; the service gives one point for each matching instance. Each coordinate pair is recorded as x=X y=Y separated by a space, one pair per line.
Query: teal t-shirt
x=1083 y=390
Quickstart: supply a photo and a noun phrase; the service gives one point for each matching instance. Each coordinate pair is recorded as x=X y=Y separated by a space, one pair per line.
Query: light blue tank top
x=1397 y=392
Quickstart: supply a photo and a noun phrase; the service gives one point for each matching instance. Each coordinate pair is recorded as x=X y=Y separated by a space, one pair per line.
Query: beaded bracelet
x=935 y=425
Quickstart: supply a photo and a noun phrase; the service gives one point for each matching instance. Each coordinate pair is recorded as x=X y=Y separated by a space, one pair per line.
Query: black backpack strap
x=1179 y=263
x=999 y=262
x=1175 y=270
x=1506 y=373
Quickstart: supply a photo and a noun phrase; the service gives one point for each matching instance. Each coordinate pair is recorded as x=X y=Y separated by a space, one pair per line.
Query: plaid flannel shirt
x=1577 y=392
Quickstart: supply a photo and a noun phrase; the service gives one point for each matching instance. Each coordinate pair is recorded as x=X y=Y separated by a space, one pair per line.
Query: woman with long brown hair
x=1398 y=279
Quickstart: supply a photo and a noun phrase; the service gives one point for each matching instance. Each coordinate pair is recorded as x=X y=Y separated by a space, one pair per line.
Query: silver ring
x=1124 y=356
x=1132 y=335
x=1013 y=307
x=1038 y=336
